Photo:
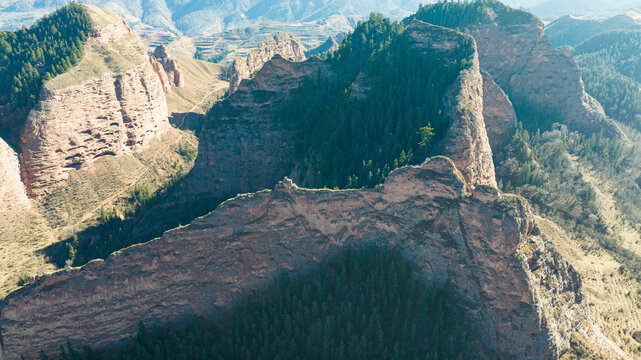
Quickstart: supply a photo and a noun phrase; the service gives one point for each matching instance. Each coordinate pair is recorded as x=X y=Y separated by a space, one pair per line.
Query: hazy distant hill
x=203 y=17
x=598 y=8
x=570 y=30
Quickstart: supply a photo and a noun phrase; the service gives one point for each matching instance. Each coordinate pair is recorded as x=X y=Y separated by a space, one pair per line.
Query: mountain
x=89 y=129
x=596 y=8
x=198 y=17
x=444 y=214
x=571 y=31
x=409 y=138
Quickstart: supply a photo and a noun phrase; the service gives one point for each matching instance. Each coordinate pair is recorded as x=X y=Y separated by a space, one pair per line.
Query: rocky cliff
x=13 y=195
x=285 y=45
x=508 y=276
x=498 y=113
x=167 y=69
x=111 y=103
x=535 y=75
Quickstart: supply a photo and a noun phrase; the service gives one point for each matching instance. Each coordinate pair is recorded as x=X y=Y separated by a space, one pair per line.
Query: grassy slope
x=101 y=58
x=202 y=88
x=77 y=206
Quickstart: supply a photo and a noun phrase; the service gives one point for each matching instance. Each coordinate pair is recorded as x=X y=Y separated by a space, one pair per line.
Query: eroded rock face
x=285 y=45
x=466 y=141
x=481 y=242
x=537 y=76
x=13 y=195
x=498 y=113
x=110 y=114
x=167 y=69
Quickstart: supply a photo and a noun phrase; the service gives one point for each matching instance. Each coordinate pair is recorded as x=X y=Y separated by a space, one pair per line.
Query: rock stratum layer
x=13 y=195
x=111 y=113
x=285 y=45
x=536 y=75
x=508 y=276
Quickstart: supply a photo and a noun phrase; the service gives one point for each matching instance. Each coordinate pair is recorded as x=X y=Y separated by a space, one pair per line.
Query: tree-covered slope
x=29 y=57
x=611 y=65
x=383 y=108
x=363 y=304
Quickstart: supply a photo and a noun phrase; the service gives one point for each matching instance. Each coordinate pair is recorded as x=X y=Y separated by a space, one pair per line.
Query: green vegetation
x=116 y=225
x=363 y=304
x=459 y=14
x=382 y=110
x=29 y=57
x=611 y=65
x=214 y=59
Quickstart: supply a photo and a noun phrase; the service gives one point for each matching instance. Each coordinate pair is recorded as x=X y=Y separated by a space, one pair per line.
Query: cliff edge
x=507 y=274
x=111 y=103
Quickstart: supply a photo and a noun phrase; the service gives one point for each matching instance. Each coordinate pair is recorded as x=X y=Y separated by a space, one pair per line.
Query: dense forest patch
x=29 y=57
x=382 y=110
x=363 y=304
x=462 y=14
x=611 y=65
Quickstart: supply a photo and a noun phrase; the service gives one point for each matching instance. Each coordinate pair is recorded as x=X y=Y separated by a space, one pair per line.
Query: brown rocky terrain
x=536 y=75
x=80 y=117
x=498 y=113
x=13 y=195
x=285 y=45
x=512 y=281
x=167 y=69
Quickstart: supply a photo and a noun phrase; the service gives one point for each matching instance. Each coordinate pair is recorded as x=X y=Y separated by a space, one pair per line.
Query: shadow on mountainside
x=119 y=229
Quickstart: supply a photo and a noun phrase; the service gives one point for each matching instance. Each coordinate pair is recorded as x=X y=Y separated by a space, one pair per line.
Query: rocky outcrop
x=507 y=275
x=466 y=141
x=285 y=45
x=112 y=113
x=498 y=113
x=13 y=195
x=537 y=76
x=167 y=69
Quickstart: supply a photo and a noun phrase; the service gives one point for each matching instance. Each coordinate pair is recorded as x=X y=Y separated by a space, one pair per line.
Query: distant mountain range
x=571 y=30
x=204 y=17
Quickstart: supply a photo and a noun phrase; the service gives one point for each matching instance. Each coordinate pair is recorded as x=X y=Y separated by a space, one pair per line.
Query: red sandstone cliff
x=13 y=195
x=285 y=45
x=535 y=75
x=111 y=103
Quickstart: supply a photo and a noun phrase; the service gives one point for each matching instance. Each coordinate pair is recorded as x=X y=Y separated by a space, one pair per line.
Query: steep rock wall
x=13 y=195
x=498 y=113
x=110 y=113
x=487 y=245
x=285 y=45
x=536 y=75
x=167 y=68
